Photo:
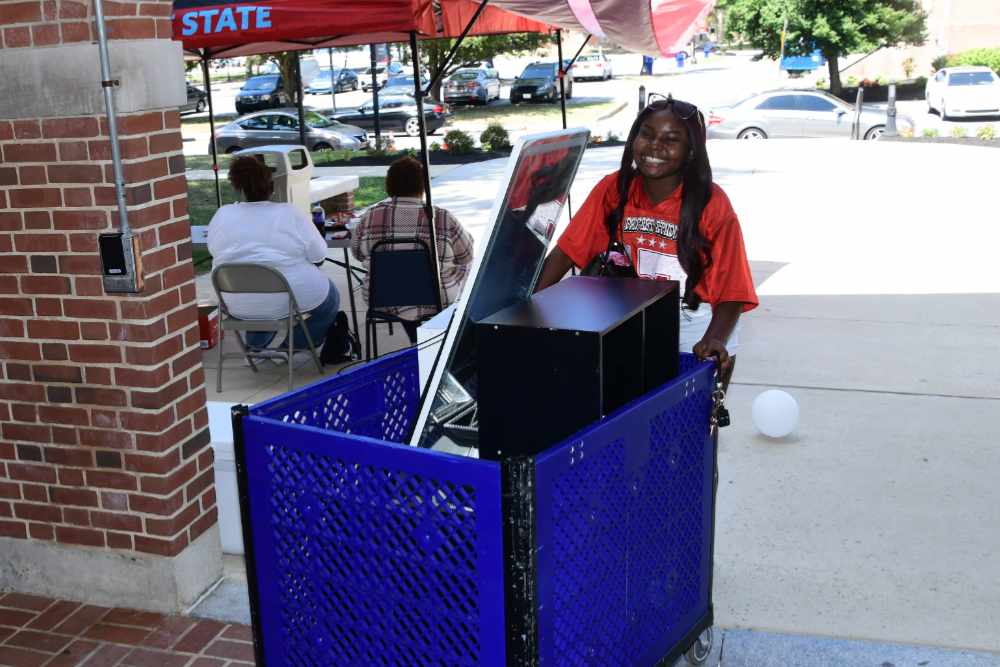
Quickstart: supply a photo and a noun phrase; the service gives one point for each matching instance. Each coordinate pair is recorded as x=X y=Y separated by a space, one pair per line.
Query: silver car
x=282 y=127
x=795 y=113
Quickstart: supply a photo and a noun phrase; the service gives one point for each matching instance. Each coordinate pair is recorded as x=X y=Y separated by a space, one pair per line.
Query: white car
x=964 y=91
x=592 y=66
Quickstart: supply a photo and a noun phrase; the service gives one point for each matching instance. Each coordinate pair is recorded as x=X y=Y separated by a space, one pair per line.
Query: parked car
x=262 y=92
x=592 y=66
x=964 y=91
x=472 y=85
x=398 y=113
x=402 y=85
x=366 y=78
x=795 y=113
x=197 y=100
x=540 y=81
x=346 y=80
x=282 y=127
x=396 y=68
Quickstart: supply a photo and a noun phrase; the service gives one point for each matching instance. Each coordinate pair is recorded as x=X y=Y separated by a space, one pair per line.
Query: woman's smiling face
x=661 y=147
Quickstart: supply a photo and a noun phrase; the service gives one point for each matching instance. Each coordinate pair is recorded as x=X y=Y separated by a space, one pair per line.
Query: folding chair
x=398 y=277
x=246 y=278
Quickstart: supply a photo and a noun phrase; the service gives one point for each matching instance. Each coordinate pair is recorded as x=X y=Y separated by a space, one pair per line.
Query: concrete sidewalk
x=880 y=312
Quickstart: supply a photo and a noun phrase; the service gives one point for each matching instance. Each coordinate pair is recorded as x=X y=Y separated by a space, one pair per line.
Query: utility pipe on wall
x=109 y=105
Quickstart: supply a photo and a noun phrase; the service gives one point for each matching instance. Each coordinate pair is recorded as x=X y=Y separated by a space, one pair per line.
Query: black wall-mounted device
x=121 y=262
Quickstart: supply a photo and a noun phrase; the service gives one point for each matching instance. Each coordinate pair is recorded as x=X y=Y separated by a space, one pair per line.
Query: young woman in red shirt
x=673 y=223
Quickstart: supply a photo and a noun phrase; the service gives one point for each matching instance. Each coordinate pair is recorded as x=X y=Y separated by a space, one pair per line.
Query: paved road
x=721 y=78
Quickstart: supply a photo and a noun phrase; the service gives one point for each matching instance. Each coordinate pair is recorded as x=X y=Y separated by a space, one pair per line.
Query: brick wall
x=52 y=22
x=103 y=428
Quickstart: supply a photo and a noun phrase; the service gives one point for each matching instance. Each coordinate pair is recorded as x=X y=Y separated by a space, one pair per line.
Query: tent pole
x=562 y=77
x=211 y=126
x=333 y=83
x=454 y=49
x=578 y=52
x=299 y=103
x=425 y=156
x=378 y=125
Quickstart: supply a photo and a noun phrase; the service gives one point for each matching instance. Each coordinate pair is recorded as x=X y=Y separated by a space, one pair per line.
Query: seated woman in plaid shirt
x=403 y=215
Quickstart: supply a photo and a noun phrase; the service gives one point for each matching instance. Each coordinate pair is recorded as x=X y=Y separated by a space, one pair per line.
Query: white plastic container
x=220 y=427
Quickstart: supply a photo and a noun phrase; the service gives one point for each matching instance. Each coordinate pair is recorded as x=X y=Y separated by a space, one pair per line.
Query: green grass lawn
x=526 y=114
x=202 y=205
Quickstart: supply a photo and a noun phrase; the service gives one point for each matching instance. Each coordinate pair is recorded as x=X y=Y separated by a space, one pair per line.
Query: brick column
x=106 y=479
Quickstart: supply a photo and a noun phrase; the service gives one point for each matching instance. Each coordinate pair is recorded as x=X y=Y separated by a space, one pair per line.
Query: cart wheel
x=699 y=651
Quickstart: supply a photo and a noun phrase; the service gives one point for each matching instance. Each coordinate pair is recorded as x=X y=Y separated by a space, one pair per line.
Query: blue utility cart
x=362 y=551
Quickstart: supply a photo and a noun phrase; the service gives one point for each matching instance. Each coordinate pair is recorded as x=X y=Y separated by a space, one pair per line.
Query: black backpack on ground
x=341 y=343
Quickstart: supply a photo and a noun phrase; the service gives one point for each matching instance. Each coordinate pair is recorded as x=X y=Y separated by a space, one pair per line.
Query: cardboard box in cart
x=208 y=325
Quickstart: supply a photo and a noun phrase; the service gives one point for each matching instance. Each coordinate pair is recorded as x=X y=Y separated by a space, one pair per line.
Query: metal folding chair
x=400 y=275
x=246 y=278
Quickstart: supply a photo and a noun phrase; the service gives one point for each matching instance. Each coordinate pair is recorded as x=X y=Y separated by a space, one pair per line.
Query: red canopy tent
x=222 y=28
x=229 y=28
x=225 y=29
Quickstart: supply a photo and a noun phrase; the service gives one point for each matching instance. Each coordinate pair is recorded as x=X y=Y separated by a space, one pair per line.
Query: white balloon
x=775 y=413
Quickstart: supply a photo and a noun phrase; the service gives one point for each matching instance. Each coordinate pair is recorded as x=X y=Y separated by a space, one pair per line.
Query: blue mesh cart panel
x=377 y=399
x=625 y=520
x=367 y=552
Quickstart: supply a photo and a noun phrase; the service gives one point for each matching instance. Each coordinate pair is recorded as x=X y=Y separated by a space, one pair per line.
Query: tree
x=835 y=28
x=477 y=49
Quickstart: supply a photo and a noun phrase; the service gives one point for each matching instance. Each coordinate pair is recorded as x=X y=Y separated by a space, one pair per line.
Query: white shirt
x=277 y=235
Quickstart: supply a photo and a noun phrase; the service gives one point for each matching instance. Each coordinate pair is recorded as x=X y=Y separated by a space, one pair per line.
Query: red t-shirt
x=649 y=234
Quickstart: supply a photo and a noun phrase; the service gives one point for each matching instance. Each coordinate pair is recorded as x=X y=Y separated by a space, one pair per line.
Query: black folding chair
x=400 y=275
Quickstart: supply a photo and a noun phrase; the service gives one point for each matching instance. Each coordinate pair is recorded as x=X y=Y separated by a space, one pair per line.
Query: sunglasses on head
x=683 y=110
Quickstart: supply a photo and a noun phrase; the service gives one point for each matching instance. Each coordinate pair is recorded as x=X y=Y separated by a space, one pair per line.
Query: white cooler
x=220 y=426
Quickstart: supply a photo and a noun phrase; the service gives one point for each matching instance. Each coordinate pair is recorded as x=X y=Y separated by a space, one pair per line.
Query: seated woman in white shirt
x=280 y=236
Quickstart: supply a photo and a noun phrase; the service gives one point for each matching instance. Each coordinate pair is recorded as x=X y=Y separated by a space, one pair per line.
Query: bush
x=495 y=138
x=821 y=83
x=930 y=132
x=939 y=62
x=984 y=57
x=385 y=144
x=958 y=132
x=986 y=133
x=852 y=81
x=458 y=142
x=435 y=146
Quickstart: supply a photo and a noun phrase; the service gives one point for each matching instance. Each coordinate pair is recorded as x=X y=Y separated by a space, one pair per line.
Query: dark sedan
x=540 y=81
x=401 y=85
x=197 y=100
x=262 y=92
x=398 y=113
x=346 y=80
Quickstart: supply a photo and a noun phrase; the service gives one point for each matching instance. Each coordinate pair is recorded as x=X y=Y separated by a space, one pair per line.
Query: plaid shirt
x=406 y=217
